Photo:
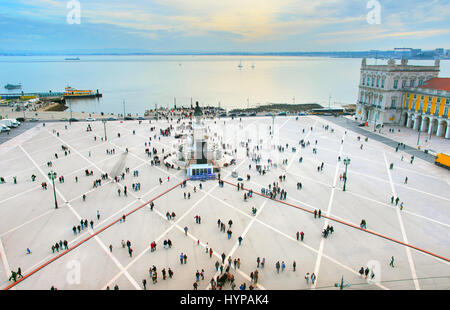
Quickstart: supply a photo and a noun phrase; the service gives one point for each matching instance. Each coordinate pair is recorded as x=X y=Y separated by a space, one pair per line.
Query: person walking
x=294 y=264
x=392 y=261
x=361 y=271
x=307 y=278
x=240 y=240
x=277 y=266
x=144 y=284
x=313 y=278
x=223 y=258
x=302 y=235
x=366 y=272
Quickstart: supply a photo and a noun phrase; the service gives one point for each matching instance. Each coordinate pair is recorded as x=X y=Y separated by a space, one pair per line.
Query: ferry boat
x=13 y=86
x=76 y=58
x=78 y=93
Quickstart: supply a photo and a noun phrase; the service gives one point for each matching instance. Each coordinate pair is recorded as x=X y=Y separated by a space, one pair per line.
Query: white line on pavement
x=402 y=228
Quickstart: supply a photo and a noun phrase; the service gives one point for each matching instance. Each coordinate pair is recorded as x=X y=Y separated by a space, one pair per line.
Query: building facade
x=382 y=89
x=426 y=107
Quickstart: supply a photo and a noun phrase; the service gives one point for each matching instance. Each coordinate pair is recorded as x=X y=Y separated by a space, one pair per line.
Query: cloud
x=248 y=23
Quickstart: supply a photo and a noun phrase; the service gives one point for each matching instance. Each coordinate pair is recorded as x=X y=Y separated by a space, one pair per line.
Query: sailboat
x=240 y=64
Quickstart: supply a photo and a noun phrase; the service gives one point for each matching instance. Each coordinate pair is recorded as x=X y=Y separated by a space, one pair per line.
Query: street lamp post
x=346 y=163
x=104 y=126
x=416 y=118
x=52 y=176
x=341 y=285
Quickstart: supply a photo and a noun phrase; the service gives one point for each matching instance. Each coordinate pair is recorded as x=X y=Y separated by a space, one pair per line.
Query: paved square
x=28 y=218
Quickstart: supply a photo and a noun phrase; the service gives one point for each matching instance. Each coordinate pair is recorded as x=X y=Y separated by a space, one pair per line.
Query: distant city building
x=439 y=51
x=403 y=94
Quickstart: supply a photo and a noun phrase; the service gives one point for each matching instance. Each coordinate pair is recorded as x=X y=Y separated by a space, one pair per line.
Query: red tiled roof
x=437 y=83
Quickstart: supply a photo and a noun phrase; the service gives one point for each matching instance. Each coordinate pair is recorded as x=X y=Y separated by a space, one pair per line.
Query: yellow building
x=426 y=107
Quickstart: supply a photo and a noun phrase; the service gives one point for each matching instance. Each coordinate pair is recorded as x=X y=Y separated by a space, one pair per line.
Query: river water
x=137 y=83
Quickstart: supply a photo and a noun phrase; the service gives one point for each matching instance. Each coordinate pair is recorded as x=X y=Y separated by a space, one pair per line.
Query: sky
x=222 y=25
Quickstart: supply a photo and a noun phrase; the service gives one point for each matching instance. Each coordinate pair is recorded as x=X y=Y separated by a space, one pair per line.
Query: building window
x=378 y=82
x=393 y=103
x=373 y=81
x=445 y=112
x=403 y=83
x=411 y=83
x=395 y=84
x=382 y=83
x=420 y=82
x=364 y=81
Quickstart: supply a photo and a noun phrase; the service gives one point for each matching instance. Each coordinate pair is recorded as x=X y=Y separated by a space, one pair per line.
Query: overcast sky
x=223 y=25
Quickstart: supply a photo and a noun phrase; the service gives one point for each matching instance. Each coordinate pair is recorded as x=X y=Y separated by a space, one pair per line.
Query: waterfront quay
x=416 y=234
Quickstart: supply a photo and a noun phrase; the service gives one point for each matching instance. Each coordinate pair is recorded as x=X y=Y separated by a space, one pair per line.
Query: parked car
x=34 y=119
x=140 y=118
x=223 y=115
x=73 y=119
x=269 y=114
x=10 y=122
x=3 y=128
x=90 y=119
x=112 y=119
x=128 y=118
x=252 y=114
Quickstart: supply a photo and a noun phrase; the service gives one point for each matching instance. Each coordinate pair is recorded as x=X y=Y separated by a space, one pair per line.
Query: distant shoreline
x=346 y=55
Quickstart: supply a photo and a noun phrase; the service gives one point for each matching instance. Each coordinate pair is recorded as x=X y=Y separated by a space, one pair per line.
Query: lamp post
x=70 y=106
x=341 y=285
x=416 y=118
x=52 y=176
x=346 y=163
x=273 y=124
x=104 y=126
